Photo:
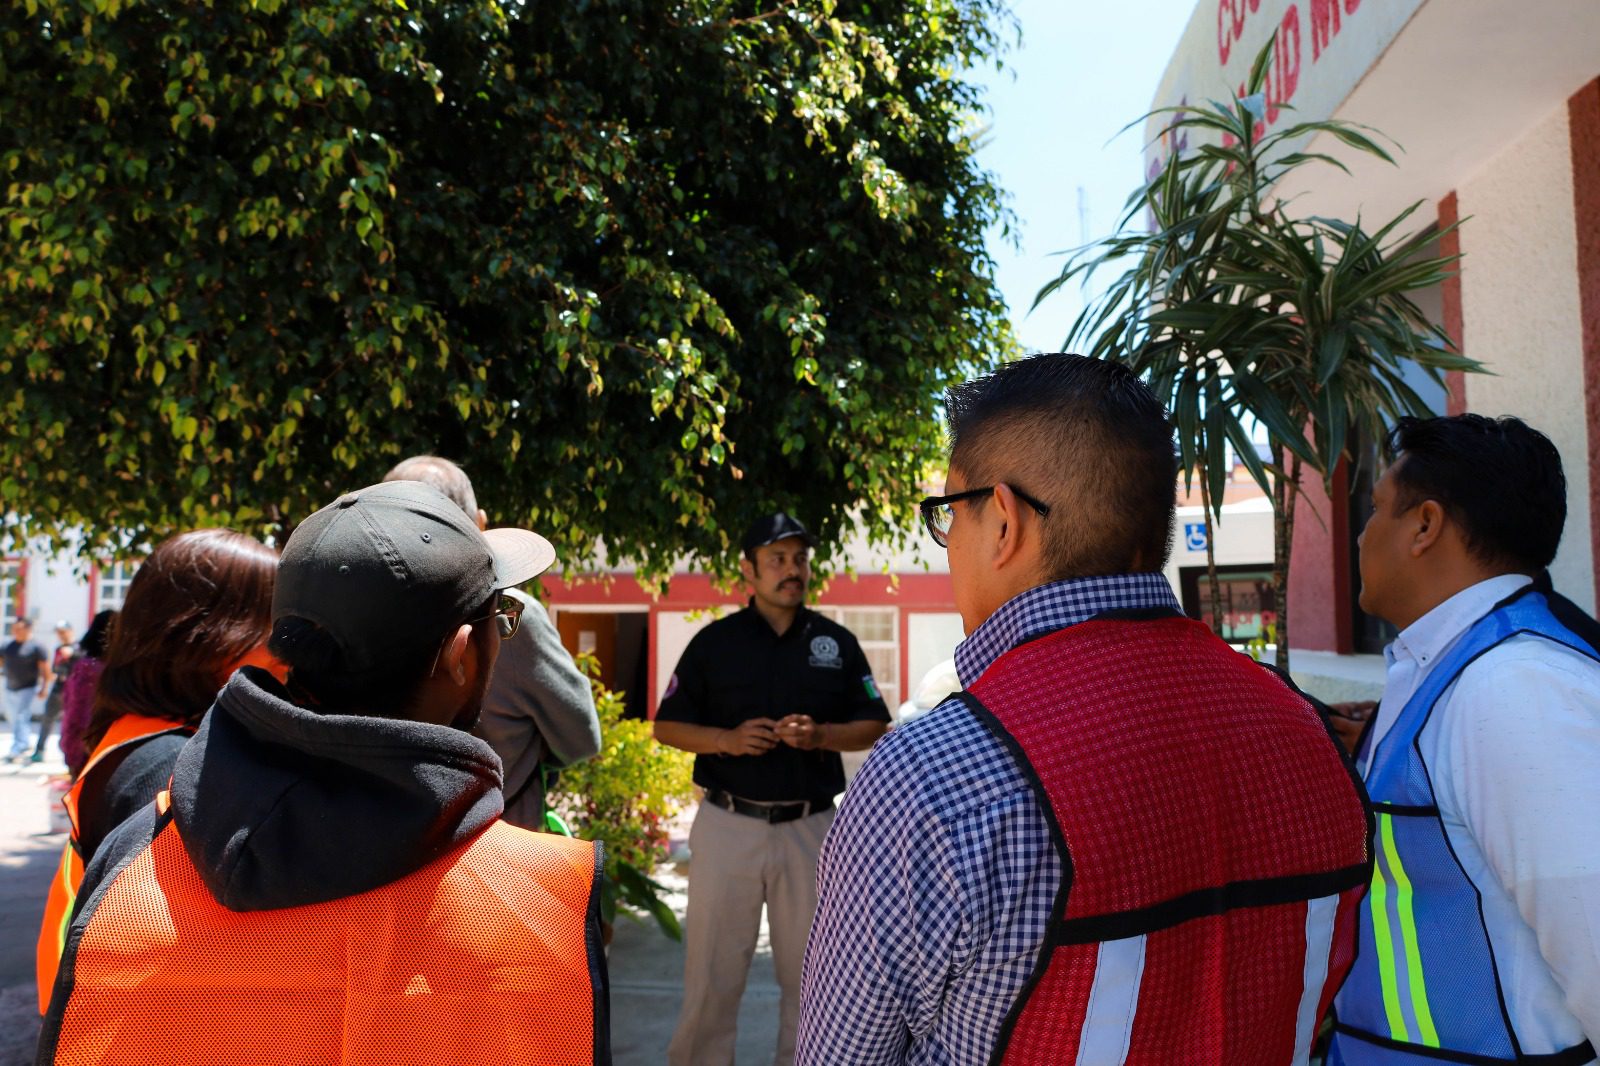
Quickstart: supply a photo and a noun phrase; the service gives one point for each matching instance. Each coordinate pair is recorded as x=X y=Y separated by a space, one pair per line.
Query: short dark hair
x=98 y=635
x=1499 y=479
x=443 y=475
x=1086 y=437
x=317 y=668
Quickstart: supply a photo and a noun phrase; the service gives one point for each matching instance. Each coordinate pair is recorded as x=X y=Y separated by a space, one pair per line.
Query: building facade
x=1495 y=107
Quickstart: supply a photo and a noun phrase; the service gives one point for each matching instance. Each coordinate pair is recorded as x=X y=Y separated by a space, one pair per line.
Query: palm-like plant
x=1235 y=310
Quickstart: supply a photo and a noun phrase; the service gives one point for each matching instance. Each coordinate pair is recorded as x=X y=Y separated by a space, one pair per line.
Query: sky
x=1083 y=70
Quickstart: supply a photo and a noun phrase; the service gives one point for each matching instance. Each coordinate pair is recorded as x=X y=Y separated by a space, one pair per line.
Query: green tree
x=1235 y=308
x=645 y=267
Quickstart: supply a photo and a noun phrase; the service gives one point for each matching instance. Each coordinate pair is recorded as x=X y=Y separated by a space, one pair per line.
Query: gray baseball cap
x=387 y=569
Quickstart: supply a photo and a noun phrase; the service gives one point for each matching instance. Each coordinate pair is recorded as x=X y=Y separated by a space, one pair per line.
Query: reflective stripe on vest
x=63 y=893
x=1196 y=910
x=1425 y=987
x=490 y=954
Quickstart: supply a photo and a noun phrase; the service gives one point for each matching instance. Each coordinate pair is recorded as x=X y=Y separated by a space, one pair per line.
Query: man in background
x=766 y=699
x=61 y=669
x=28 y=677
x=539 y=711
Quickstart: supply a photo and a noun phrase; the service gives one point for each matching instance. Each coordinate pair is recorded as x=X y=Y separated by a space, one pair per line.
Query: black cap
x=389 y=567
x=773 y=528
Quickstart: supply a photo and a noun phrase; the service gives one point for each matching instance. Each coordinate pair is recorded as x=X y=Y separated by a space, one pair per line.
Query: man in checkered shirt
x=1099 y=852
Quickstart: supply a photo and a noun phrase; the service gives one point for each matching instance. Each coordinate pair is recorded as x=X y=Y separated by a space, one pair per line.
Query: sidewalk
x=647 y=990
x=28 y=858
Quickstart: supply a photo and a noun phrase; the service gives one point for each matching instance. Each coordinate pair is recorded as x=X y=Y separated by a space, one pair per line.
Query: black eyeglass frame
x=933 y=503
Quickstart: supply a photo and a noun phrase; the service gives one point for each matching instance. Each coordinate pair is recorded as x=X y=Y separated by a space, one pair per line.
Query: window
x=877 y=629
x=1249 y=610
x=10 y=589
x=114 y=581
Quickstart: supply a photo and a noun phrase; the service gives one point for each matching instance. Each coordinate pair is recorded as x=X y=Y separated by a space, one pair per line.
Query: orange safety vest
x=64 y=888
x=490 y=954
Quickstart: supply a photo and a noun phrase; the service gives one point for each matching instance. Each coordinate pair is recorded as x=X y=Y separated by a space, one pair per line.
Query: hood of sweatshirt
x=281 y=806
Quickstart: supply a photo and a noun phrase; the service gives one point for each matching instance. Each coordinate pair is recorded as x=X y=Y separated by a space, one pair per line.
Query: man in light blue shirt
x=1487 y=750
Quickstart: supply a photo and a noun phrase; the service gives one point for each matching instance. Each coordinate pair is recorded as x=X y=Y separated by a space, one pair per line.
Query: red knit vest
x=1213 y=842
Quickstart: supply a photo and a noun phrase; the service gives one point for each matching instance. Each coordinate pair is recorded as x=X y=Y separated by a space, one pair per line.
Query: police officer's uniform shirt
x=738 y=668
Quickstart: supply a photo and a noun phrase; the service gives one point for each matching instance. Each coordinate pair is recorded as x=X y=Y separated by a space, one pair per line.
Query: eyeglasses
x=507 y=615
x=937 y=512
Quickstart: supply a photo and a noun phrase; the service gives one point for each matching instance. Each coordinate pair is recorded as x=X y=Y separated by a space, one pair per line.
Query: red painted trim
x=651 y=629
x=19 y=602
x=1583 y=112
x=94 y=591
x=689 y=591
x=1455 y=381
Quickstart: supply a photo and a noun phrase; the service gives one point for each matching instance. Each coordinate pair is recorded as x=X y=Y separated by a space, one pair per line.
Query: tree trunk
x=1213 y=583
x=1286 y=489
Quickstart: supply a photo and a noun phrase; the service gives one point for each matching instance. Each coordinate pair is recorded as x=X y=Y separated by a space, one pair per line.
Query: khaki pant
x=736 y=864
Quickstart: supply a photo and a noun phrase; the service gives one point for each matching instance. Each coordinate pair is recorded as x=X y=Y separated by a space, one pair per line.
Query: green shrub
x=625 y=797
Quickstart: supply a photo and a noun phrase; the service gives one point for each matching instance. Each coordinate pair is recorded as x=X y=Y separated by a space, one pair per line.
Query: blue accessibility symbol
x=1194 y=536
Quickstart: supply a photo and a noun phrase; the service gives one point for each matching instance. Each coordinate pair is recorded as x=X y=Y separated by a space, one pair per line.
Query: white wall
x=1243 y=536
x=674 y=629
x=55 y=593
x=932 y=638
x=1522 y=314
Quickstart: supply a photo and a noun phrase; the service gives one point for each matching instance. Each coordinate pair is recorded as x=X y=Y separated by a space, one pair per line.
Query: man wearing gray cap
x=327 y=877
x=766 y=699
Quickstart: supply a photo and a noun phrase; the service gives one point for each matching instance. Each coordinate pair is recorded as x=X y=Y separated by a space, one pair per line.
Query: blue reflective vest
x=1424 y=988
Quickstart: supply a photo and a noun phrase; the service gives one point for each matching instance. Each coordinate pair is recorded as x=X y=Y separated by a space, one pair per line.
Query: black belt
x=772 y=813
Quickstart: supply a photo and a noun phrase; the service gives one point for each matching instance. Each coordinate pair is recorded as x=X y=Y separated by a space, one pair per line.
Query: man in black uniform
x=766 y=699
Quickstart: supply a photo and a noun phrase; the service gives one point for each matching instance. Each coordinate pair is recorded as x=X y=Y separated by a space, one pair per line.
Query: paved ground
x=646 y=967
x=647 y=990
x=28 y=858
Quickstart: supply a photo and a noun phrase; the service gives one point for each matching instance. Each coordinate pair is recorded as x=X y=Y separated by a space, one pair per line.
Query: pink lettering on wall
x=1284 y=78
x=1325 y=23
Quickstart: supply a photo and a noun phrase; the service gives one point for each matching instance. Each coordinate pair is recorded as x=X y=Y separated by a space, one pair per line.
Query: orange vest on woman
x=490 y=954
x=64 y=888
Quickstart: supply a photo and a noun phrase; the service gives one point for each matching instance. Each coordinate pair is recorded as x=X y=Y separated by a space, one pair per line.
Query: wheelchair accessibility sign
x=1194 y=536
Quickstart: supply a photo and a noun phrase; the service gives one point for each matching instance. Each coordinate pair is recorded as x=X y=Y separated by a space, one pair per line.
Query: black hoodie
x=280 y=806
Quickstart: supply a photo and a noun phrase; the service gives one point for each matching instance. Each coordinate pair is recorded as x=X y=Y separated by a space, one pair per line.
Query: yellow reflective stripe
x=1377 y=901
x=65 y=873
x=1408 y=931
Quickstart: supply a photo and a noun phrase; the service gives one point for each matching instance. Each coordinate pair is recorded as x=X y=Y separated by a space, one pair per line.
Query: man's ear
x=1430 y=520
x=747 y=568
x=453 y=659
x=483 y=520
x=1009 y=541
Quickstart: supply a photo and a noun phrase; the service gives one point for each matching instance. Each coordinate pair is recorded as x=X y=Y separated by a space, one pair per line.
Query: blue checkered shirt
x=937 y=878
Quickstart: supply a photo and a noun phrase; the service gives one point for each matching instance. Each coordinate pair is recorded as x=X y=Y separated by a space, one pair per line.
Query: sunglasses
x=507 y=615
x=938 y=514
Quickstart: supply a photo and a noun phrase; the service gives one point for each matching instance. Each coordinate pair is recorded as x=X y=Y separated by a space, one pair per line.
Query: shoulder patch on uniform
x=871 y=686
